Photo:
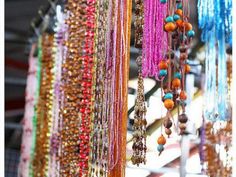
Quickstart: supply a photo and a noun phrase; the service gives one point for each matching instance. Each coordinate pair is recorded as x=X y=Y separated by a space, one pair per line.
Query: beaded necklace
x=87 y=86
x=44 y=109
x=179 y=35
x=139 y=127
x=154 y=40
x=100 y=144
x=70 y=89
x=215 y=20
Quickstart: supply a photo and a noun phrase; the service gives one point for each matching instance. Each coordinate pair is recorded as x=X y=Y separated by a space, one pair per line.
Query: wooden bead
x=183 y=95
x=179 y=23
x=167 y=123
x=161 y=140
x=183 y=118
x=179 y=12
x=187 y=26
x=187 y=68
x=170 y=27
x=163 y=65
x=182 y=126
x=176 y=83
x=168 y=131
x=169 y=104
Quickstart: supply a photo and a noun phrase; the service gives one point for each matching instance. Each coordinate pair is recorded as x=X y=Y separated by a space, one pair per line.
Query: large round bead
x=167 y=123
x=183 y=118
x=170 y=27
x=176 y=83
x=169 y=104
x=161 y=140
x=163 y=65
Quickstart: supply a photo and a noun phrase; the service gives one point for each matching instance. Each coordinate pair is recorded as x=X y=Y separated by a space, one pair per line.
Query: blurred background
x=20 y=18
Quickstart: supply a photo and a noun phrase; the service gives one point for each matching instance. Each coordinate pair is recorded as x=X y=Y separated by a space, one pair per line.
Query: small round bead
x=179 y=12
x=176 y=17
x=179 y=23
x=168 y=131
x=163 y=1
x=168 y=96
x=162 y=72
x=191 y=33
x=177 y=75
x=183 y=95
x=160 y=148
x=169 y=19
x=179 y=6
x=182 y=126
x=187 y=68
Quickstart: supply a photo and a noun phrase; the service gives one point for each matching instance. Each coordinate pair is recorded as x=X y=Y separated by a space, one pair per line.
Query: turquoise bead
x=163 y=72
x=169 y=19
x=163 y=1
x=176 y=17
x=177 y=75
x=168 y=96
x=179 y=6
x=160 y=147
x=191 y=33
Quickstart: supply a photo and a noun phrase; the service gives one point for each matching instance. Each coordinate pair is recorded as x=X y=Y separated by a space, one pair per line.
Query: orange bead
x=179 y=23
x=163 y=65
x=183 y=95
x=187 y=26
x=187 y=68
x=170 y=27
x=161 y=140
x=176 y=83
x=179 y=12
x=169 y=104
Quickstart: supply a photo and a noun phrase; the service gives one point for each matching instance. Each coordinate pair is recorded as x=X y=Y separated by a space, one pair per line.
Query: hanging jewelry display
x=173 y=69
x=80 y=121
x=59 y=36
x=139 y=135
x=99 y=151
x=117 y=84
x=44 y=108
x=30 y=100
x=73 y=158
x=154 y=40
x=215 y=20
x=217 y=149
